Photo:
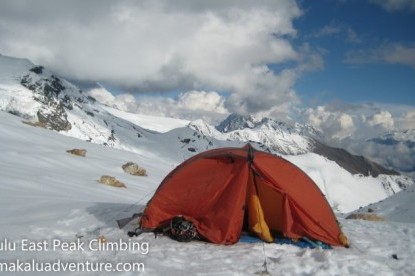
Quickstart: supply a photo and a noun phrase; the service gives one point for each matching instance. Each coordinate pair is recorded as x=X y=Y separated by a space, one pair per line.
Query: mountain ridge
x=61 y=106
x=283 y=138
x=40 y=97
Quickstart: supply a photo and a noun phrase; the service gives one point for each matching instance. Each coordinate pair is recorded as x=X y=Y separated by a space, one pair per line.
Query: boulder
x=78 y=152
x=111 y=181
x=134 y=169
x=366 y=216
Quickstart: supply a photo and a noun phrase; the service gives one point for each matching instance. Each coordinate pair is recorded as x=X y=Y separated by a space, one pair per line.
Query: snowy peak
x=44 y=99
x=278 y=136
x=12 y=68
x=51 y=96
x=284 y=138
x=236 y=122
x=205 y=128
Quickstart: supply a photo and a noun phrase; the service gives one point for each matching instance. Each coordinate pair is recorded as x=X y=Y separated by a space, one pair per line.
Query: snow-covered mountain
x=239 y=122
x=278 y=136
x=49 y=195
x=283 y=138
x=43 y=99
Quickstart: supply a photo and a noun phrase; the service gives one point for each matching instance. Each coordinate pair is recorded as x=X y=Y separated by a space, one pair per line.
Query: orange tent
x=218 y=189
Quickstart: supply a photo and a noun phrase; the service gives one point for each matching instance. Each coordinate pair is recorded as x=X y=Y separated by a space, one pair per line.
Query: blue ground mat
x=303 y=243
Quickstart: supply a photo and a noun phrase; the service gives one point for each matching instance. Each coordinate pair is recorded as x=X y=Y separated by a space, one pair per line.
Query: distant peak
x=236 y=122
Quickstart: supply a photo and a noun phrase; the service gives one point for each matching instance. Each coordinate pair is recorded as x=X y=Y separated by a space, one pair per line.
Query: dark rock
x=56 y=120
x=185 y=141
x=52 y=114
x=37 y=70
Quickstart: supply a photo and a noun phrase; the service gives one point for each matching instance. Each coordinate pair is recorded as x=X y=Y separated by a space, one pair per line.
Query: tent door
x=256 y=218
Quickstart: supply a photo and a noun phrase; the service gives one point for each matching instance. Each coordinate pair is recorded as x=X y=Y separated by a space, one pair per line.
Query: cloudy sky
x=340 y=64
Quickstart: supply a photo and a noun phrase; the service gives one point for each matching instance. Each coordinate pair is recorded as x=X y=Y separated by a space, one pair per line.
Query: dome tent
x=218 y=189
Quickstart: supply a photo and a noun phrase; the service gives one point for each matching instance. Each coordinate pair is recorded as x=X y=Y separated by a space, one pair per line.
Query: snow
x=399 y=207
x=15 y=97
x=155 y=123
x=339 y=186
x=278 y=136
x=48 y=195
x=12 y=68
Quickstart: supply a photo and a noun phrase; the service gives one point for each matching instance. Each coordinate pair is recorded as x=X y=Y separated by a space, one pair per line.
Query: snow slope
x=49 y=195
x=40 y=97
x=399 y=207
x=344 y=191
x=155 y=123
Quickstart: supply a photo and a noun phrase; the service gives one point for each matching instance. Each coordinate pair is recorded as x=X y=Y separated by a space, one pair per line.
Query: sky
x=369 y=50
x=340 y=64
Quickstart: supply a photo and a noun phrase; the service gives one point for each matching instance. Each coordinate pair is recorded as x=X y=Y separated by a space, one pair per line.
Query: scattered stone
x=78 y=152
x=102 y=239
x=134 y=169
x=366 y=216
x=111 y=181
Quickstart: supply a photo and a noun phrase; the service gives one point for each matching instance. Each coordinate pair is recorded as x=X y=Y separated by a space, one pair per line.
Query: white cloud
x=339 y=30
x=335 y=124
x=189 y=105
x=329 y=30
x=383 y=119
x=345 y=121
x=407 y=121
x=354 y=126
x=202 y=101
x=352 y=36
x=401 y=54
x=124 y=102
x=365 y=121
x=102 y=95
x=392 y=53
x=396 y=5
x=162 y=45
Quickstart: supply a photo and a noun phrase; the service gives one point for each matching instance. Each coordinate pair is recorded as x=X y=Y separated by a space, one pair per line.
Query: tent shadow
x=109 y=213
